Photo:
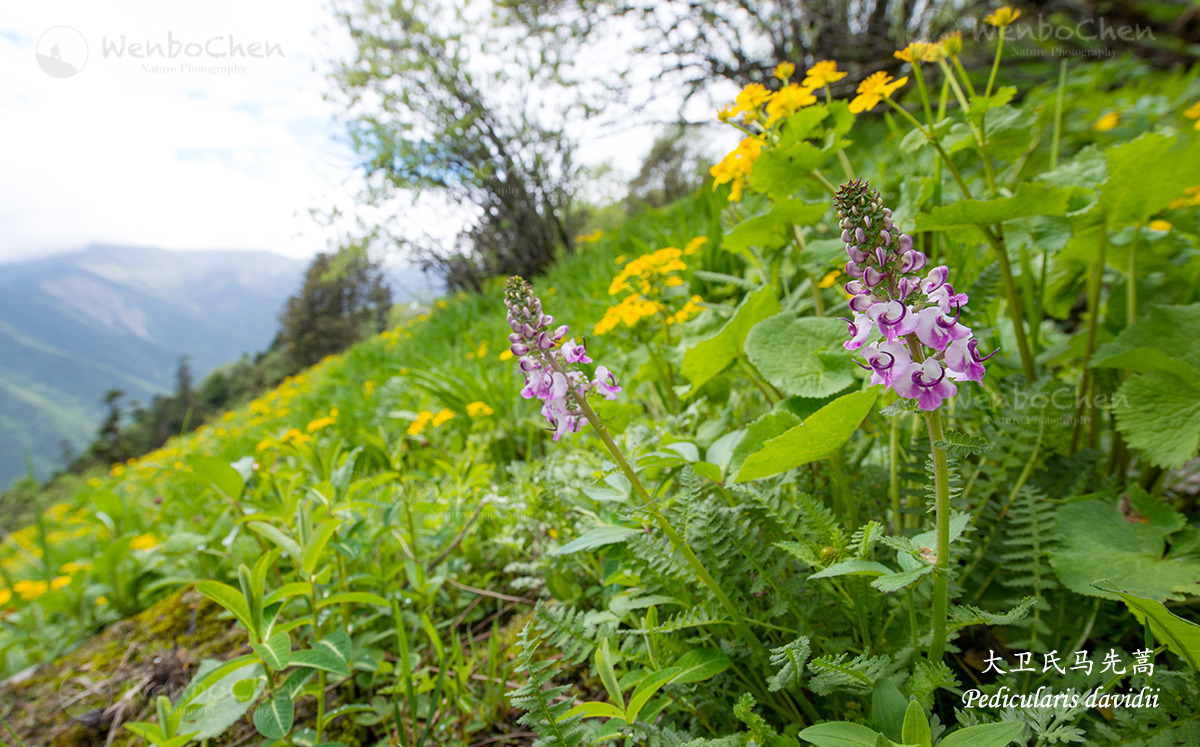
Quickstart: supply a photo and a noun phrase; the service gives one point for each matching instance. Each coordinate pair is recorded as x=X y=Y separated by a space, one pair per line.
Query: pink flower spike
x=860 y=331
x=926 y=383
x=893 y=318
x=606 y=383
x=935 y=279
x=575 y=352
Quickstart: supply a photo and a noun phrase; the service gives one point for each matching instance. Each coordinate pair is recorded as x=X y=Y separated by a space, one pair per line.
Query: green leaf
x=223 y=702
x=1129 y=195
x=708 y=357
x=229 y=598
x=761 y=430
x=646 y=690
x=1159 y=415
x=273 y=718
x=817 y=438
x=774 y=228
x=802 y=356
x=316 y=545
x=897 y=581
x=601 y=536
x=780 y=172
x=916 y=726
x=840 y=734
x=284 y=542
x=985 y=735
x=276 y=652
x=1031 y=198
x=594 y=709
x=1097 y=541
x=216 y=473
x=888 y=708
x=294 y=589
x=700 y=664
x=853 y=568
x=608 y=675
x=337 y=644
x=246 y=690
x=1172 y=331
x=1179 y=635
x=353 y=597
x=320 y=659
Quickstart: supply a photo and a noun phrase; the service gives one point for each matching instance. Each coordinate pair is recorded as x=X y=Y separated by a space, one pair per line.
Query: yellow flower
x=1193 y=112
x=918 y=51
x=1161 y=225
x=694 y=245
x=952 y=44
x=822 y=74
x=59 y=582
x=1191 y=200
x=5 y=597
x=320 y=423
x=590 y=238
x=418 y=425
x=295 y=436
x=101 y=601
x=783 y=71
x=787 y=101
x=736 y=166
x=1003 y=17
x=30 y=590
x=143 y=542
x=877 y=87
x=442 y=304
x=506 y=354
x=476 y=409
x=751 y=98
x=117 y=470
x=1107 y=122
x=368 y=388
x=829 y=279
x=727 y=113
x=71 y=567
x=483 y=348
x=442 y=417
x=94 y=482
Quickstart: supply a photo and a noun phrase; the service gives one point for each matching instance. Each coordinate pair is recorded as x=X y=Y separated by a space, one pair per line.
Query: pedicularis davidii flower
x=551 y=367
x=924 y=347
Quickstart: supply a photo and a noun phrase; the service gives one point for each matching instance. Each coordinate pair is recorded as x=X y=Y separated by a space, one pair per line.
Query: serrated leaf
x=708 y=357
x=274 y=717
x=897 y=581
x=1128 y=196
x=817 y=438
x=1159 y=415
x=1180 y=636
x=802 y=356
x=780 y=172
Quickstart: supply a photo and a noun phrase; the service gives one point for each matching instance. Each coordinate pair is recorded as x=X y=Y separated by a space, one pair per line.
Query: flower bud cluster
x=551 y=366
x=925 y=348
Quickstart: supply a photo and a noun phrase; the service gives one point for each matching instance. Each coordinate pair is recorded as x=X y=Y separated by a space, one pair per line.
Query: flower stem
x=941 y=571
x=677 y=541
x=995 y=65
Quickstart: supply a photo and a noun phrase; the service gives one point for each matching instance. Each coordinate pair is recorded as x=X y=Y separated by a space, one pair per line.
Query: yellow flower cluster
x=1193 y=112
x=876 y=88
x=1192 y=199
x=325 y=422
x=479 y=409
x=1107 y=122
x=1003 y=17
x=736 y=166
x=425 y=417
x=590 y=238
x=647 y=280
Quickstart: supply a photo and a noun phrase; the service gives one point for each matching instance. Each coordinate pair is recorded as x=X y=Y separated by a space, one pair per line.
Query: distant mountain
x=73 y=326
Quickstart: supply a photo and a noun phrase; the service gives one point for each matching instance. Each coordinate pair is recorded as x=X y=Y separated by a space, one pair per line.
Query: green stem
x=1095 y=286
x=924 y=93
x=1131 y=299
x=1058 y=112
x=941 y=471
x=832 y=190
x=995 y=65
x=677 y=541
x=894 y=476
x=316 y=631
x=801 y=245
x=962 y=71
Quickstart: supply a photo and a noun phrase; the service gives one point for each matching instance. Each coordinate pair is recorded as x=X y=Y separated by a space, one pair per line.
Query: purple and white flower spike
x=925 y=348
x=551 y=367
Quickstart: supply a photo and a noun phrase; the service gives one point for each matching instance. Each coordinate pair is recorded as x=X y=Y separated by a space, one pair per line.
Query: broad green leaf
x=761 y=430
x=318 y=659
x=775 y=227
x=337 y=644
x=353 y=597
x=294 y=589
x=646 y=690
x=217 y=473
x=1145 y=175
x=1031 y=198
x=985 y=735
x=246 y=690
x=223 y=702
x=316 y=545
x=853 y=568
x=273 y=718
x=708 y=357
x=276 y=652
x=780 y=172
x=887 y=709
x=916 y=726
x=840 y=734
x=1159 y=415
x=594 y=709
x=897 y=581
x=593 y=538
x=608 y=675
x=802 y=356
x=201 y=684
x=229 y=598
x=1179 y=635
x=284 y=542
x=700 y=664
x=817 y=438
x=1174 y=331
x=1097 y=541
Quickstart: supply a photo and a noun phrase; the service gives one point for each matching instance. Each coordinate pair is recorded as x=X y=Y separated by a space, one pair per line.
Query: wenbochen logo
x=62 y=52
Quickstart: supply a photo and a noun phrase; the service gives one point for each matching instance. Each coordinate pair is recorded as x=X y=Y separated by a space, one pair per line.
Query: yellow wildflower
x=506 y=354
x=94 y=482
x=1192 y=199
x=727 y=113
x=30 y=590
x=1003 y=17
x=143 y=542
x=319 y=423
x=694 y=245
x=117 y=470
x=294 y=435
x=784 y=70
x=5 y=597
x=751 y=99
x=1193 y=112
x=877 y=87
x=483 y=348
x=368 y=388
x=476 y=409
x=1161 y=225
x=418 y=425
x=918 y=51
x=59 y=582
x=736 y=166
x=590 y=238
x=787 y=101
x=822 y=74
x=1107 y=122
x=442 y=417
x=829 y=279
x=952 y=44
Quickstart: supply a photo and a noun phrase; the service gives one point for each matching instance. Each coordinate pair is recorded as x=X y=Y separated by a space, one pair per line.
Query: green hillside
x=740 y=536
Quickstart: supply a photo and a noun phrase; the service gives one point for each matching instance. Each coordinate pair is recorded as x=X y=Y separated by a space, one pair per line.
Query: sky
x=213 y=147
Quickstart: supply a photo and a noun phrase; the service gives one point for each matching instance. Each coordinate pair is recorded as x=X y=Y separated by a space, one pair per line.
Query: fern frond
x=858 y=675
x=545 y=711
x=569 y=630
x=789 y=663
